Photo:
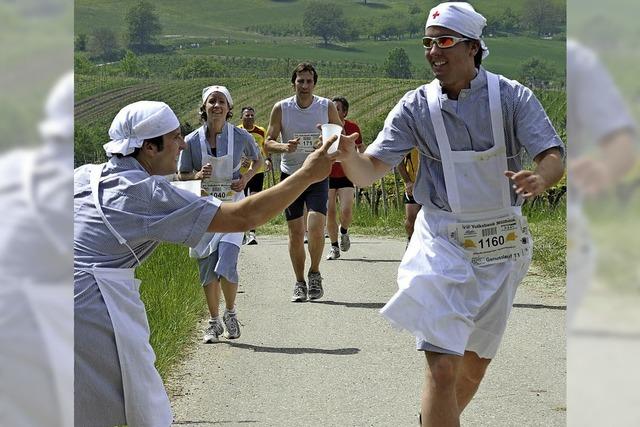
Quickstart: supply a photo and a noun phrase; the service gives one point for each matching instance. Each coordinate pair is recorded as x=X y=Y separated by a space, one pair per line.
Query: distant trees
x=131 y=66
x=538 y=73
x=143 y=27
x=103 y=44
x=200 y=67
x=397 y=65
x=80 y=42
x=543 y=16
x=325 y=20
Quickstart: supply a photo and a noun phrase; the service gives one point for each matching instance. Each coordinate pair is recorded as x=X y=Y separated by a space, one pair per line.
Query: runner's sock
x=334 y=244
x=343 y=230
x=232 y=311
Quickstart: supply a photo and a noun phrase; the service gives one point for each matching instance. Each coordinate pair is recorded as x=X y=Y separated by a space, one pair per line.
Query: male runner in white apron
x=471 y=246
x=122 y=210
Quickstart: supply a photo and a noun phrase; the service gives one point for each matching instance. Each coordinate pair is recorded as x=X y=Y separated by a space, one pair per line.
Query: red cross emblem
x=436 y=14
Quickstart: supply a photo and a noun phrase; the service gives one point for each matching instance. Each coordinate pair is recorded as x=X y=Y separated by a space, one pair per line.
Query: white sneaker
x=334 y=253
x=213 y=331
x=231 y=325
x=345 y=242
x=251 y=240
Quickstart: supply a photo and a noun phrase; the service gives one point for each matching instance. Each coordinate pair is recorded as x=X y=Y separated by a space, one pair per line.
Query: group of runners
x=469 y=244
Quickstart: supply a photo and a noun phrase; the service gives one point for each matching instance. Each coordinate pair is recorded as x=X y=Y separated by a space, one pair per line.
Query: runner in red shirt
x=340 y=188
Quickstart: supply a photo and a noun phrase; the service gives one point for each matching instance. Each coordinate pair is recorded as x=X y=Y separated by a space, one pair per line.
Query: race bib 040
x=219 y=190
x=492 y=241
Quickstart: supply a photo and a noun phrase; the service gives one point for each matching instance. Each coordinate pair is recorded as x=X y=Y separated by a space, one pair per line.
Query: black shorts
x=409 y=200
x=255 y=184
x=342 y=182
x=315 y=197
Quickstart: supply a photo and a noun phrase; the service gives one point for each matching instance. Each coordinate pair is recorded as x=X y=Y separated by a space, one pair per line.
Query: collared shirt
x=145 y=209
x=468 y=125
x=243 y=144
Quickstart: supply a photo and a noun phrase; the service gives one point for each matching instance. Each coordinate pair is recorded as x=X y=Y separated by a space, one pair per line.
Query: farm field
x=507 y=53
x=100 y=98
x=231 y=17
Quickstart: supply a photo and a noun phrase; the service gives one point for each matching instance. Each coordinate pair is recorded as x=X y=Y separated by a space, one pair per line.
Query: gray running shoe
x=251 y=240
x=231 y=325
x=345 y=242
x=334 y=253
x=299 y=292
x=213 y=331
x=315 y=285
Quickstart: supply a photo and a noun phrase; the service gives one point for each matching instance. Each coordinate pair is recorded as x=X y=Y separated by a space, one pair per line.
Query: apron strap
x=230 y=136
x=434 y=92
x=497 y=127
x=96 y=174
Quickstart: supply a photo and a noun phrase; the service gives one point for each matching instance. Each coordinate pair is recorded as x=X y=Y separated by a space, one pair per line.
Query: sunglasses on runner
x=443 y=42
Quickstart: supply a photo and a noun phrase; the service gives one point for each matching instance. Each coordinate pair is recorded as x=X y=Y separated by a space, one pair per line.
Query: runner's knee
x=442 y=371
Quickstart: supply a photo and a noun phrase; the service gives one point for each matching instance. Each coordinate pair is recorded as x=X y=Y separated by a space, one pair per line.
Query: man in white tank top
x=296 y=120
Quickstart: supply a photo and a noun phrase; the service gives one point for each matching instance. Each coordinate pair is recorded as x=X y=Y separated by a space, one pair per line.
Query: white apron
x=145 y=399
x=443 y=297
x=221 y=177
x=49 y=306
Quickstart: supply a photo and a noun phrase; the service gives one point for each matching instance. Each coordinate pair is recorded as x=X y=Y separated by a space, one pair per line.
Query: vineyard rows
x=370 y=99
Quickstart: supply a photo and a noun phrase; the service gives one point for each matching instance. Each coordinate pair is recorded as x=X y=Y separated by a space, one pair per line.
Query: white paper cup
x=329 y=130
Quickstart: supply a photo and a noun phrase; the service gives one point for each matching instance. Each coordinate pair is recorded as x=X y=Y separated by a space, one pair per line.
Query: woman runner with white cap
x=215 y=151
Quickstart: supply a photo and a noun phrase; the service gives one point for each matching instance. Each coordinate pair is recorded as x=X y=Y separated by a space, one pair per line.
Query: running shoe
x=334 y=253
x=231 y=325
x=251 y=240
x=345 y=242
x=315 y=285
x=213 y=331
x=299 y=292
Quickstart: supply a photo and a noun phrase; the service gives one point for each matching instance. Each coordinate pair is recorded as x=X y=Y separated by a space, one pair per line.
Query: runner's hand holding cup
x=317 y=165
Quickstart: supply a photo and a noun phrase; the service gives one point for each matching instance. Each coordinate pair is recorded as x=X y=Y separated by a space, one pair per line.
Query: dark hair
x=477 y=60
x=158 y=141
x=248 y=107
x=301 y=68
x=342 y=100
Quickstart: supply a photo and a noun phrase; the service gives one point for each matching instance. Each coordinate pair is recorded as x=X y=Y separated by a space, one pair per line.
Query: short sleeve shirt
x=144 y=209
x=468 y=125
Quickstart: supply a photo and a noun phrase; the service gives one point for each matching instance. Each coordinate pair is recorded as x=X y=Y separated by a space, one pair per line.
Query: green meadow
x=230 y=18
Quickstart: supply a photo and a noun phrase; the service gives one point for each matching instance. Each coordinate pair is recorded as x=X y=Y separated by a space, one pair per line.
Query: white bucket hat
x=137 y=122
x=460 y=17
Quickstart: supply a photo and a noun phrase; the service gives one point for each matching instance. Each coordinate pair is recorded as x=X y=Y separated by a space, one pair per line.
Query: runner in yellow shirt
x=256 y=183
x=408 y=170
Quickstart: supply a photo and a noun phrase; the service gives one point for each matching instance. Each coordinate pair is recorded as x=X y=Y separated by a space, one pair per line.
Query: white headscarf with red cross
x=462 y=18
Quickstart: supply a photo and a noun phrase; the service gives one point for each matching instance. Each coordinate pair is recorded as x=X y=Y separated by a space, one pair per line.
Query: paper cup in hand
x=329 y=130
